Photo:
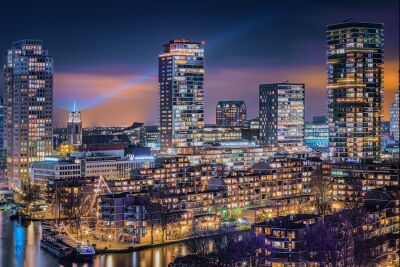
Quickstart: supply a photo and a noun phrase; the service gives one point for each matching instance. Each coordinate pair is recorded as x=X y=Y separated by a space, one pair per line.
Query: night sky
x=105 y=52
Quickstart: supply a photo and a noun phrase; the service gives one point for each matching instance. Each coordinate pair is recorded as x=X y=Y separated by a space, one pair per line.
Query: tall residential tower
x=281 y=112
x=355 y=83
x=2 y=122
x=181 y=81
x=28 y=99
x=394 y=118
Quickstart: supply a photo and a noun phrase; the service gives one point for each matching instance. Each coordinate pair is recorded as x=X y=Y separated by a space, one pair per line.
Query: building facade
x=351 y=181
x=89 y=165
x=251 y=129
x=282 y=240
x=2 y=121
x=316 y=134
x=357 y=237
x=394 y=118
x=231 y=113
x=28 y=91
x=232 y=155
x=282 y=114
x=287 y=184
x=355 y=83
x=3 y=151
x=213 y=133
x=181 y=81
x=151 y=137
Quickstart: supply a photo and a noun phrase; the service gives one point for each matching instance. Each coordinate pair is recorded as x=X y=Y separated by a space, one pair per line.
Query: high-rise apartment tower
x=355 y=84
x=28 y=100
x=181 y=81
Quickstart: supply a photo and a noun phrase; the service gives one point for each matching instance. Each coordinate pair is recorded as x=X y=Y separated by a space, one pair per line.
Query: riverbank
x=144 y=246
x=31 y=219
x=22 y=240
x=106 y=247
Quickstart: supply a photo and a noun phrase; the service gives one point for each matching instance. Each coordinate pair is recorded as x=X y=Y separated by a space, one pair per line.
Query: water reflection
x=20 y=247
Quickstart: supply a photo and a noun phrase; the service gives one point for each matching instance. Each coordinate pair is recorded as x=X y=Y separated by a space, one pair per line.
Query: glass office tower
x=281 y=114
x=181 y=81
x=355 y=83
x=28 y=99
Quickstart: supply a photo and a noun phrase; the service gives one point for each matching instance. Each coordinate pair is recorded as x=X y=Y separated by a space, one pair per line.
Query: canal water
x=20 y=247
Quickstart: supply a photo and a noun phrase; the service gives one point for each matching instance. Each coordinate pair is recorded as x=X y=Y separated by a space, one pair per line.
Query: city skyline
x=86 y=67
x=200 y=134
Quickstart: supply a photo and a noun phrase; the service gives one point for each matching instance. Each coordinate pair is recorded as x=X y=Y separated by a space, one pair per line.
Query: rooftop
x=231 y=102
x=354 y=24
x=297 y=221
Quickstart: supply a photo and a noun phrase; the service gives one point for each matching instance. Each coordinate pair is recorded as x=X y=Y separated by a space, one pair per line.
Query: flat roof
x=353 y=24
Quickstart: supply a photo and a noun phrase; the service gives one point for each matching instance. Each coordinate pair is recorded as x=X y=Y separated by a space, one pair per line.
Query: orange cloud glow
x=140 y=102
x=135 y=103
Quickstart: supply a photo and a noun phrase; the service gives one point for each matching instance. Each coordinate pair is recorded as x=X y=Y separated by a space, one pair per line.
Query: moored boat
x=56 y=248
x=64 y=245
x=84 y=252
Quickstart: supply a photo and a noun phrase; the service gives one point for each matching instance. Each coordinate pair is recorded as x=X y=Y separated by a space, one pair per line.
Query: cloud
x=139 y=102
x=121 y=108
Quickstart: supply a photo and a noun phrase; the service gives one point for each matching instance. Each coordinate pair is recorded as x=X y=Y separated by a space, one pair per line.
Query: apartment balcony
x=134 y=217
x=107 y=211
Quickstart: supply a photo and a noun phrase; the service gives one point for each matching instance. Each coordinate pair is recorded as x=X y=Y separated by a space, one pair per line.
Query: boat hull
x=56 y=250
x=83 y=258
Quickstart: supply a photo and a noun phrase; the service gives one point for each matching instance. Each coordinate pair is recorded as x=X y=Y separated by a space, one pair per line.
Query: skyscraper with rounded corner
x=355 y=84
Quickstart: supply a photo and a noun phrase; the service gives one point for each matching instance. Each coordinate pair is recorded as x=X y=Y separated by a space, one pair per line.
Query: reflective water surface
x=20 y=247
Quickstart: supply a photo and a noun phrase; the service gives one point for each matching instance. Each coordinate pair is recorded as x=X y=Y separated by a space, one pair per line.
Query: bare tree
x=320 y=185
x=235 y=249
x=200 y=247
x=152 y=215
x=165 y=213
x=337 y=240
x=249 y=245
x=320 y=244
x=199 y=252
x=165 y=219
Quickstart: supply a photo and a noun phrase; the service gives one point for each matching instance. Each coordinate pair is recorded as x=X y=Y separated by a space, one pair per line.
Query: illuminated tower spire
x=74 y=127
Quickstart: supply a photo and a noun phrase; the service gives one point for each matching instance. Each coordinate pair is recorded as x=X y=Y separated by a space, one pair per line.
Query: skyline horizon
x=110 y=64
x=212 y=133
x=61 y=114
